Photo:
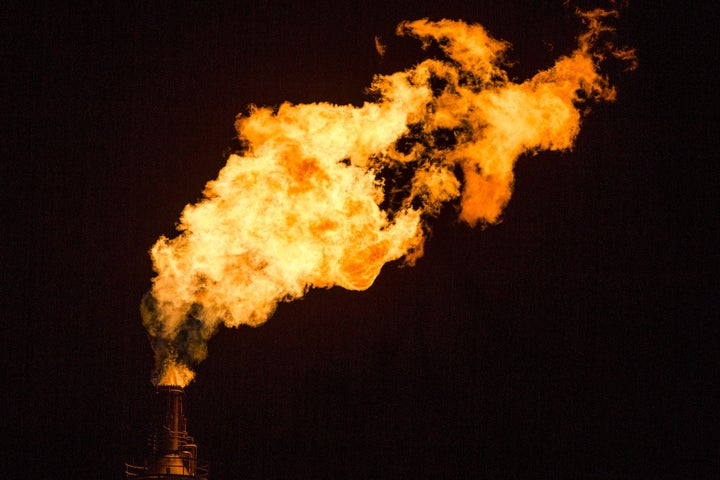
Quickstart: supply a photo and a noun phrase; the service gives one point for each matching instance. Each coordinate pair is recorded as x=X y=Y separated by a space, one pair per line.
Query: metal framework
x=174 y=451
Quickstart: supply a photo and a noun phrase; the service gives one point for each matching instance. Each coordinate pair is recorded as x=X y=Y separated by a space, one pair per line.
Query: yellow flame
x=305 y=206
x=174 y=373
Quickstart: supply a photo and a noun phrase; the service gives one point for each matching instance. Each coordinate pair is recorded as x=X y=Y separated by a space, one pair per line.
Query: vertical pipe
x=174 y=421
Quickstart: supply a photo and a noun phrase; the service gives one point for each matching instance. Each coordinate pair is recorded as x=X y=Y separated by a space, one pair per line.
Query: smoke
x=324 y=195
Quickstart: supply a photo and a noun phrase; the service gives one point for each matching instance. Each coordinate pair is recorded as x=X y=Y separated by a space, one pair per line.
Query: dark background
x=576 y=339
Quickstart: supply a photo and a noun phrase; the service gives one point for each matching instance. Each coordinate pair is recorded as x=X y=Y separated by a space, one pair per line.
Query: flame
x=174 y=373
x=321 y=195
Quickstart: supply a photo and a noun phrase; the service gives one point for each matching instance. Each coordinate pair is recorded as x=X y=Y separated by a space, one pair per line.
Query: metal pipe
x=174 y=424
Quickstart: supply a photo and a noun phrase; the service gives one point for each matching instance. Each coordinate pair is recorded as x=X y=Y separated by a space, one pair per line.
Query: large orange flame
x=306 y=205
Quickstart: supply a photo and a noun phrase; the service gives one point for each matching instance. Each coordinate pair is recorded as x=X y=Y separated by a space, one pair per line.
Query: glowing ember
x=305 y=205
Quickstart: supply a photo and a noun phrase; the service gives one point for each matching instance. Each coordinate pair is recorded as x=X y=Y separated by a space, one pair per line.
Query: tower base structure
x=174 y=452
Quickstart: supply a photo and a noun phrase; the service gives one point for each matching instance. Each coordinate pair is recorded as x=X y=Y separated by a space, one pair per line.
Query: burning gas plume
x=324 y=195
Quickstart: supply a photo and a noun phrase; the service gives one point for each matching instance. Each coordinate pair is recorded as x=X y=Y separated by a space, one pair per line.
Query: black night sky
x=576 y=339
